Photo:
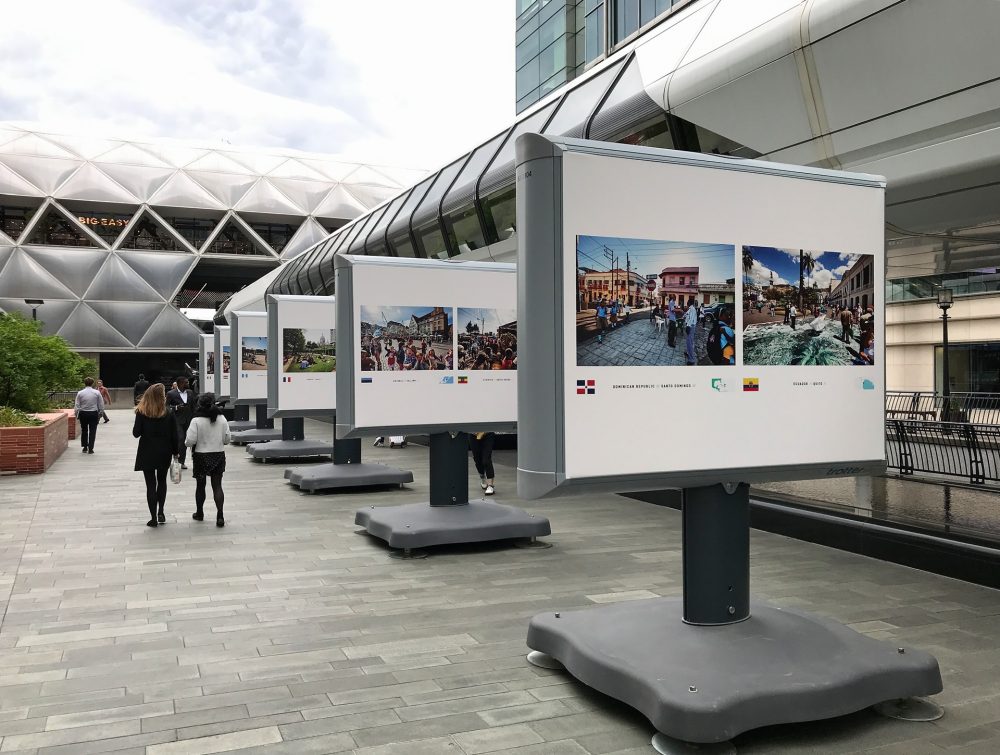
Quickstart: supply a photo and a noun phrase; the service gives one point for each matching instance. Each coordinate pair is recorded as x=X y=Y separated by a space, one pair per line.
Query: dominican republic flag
x=586 y=387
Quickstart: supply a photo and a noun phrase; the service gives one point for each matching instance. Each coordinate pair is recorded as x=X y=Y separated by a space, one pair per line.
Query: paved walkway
x=286 y=632
x=639 y=343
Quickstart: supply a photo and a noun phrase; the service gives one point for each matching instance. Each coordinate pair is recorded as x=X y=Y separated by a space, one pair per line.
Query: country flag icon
x=463 y=379
x=366 y=380
x=586 y=387
x=751 y=385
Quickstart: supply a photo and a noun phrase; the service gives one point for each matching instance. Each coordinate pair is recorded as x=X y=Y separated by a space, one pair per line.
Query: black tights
x=156 y=489
x=217 y=494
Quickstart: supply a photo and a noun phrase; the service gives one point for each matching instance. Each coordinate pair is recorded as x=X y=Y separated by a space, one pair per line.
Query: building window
x=232 y=240
x=972 y=367
x=55 y=230
x=13 y=220
x=194 y=230
x=277 y=235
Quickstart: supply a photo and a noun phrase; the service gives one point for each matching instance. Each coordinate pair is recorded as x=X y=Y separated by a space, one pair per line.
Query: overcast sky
x=396 y=82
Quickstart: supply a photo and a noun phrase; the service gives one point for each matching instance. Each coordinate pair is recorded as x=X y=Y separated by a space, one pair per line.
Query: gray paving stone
x=288 y=633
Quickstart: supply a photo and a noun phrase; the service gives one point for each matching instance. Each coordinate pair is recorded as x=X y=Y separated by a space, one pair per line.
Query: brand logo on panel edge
x=867 y=385
x=448 y=380
x=586 y=387
x=720 y=385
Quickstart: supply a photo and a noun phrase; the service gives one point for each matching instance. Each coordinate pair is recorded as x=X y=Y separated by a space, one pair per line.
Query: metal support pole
x=345 y=450
x=449 y=473
x=261 y=418
x=716 y=554
x=946 y=389
x=293 y=428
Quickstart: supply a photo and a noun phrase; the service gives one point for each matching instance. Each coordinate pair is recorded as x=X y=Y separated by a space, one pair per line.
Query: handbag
x=175 y=470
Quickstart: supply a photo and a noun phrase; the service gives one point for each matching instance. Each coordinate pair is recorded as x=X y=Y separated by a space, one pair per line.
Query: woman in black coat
x=158 y=444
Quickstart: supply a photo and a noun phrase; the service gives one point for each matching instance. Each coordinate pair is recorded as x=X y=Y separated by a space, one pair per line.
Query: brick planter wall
x=33 y=449
x=70 y=423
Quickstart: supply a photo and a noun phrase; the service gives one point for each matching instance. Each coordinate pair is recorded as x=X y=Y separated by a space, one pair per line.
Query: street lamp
x=34 y=304
x=944 y=302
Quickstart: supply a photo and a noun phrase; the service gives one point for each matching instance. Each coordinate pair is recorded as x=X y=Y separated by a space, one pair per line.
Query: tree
x=748 y=261
x=295 y=340
x=806 y=265
x=33 y=365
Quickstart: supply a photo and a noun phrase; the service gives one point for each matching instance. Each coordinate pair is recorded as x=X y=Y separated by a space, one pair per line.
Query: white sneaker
x=482 y=483
x=489 y=490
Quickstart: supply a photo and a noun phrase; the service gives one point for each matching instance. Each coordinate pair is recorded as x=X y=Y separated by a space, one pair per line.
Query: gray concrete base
x=419 y=525
x=289 y=449
x=708 y=684
x=239 y=425
x=262 y=435
x=334 y=476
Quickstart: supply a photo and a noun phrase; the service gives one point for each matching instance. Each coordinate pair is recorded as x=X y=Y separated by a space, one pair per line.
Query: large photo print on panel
x=654 y=303
x=400 y=339
x=808 y=307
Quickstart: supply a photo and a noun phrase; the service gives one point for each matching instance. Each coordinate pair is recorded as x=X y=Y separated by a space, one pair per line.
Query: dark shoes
x=90 y=450
x=151 y=523
x=220 y=522
x=198 y=516
x=184 y=466
x=84 y=449
x=160 y=518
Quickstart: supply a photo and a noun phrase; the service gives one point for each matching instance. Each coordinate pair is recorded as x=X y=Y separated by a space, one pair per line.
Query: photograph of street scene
x=210 y=358
x=225 y=360
x=254 y=355
x=487 y=339
x=807 y=307
x=406 y=338
x=308 y=350
x=644 y=302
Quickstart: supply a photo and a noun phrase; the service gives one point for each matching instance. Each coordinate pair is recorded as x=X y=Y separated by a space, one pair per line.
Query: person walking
x=206 y=436
x=845 y=325
x=181 y=402
x=482 y=455
x=88 y=408
x=671 y=323
x=106 y=396
x=690 y=322
x=139 y=388
x=792 y=314
x=158 y=444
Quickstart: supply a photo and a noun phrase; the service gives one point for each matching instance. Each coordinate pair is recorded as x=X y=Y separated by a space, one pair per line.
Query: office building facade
x=845 y=84
x=124 y=243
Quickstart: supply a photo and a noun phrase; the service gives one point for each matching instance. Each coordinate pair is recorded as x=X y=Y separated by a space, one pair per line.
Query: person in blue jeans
x=602 y=321
x=690 y=323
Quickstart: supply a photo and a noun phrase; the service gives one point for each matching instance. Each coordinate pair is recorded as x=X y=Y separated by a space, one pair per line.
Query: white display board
x=248 y=349
x=301 y=355
x=223 y=361
x=206 y=362
x=426 y=346
x=614 y=406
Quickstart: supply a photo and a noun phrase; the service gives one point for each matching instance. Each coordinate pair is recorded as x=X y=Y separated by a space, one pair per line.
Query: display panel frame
x=206 y=347
x=246 y=386
x=220 y=345
x=316 y=394
x=662 y=194
x=472 y=401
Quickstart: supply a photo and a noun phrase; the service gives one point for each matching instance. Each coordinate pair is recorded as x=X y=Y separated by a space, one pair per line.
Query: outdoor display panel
x=783 y=374
x=302 y=355
x=206 y=362
x=427 y=346
x=223 y=361
x=248 y=349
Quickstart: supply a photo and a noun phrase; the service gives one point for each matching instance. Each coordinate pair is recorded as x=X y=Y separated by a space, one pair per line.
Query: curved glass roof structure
x=118 y=237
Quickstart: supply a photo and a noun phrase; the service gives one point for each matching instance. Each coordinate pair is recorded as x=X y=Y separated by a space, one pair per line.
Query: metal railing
x=976 y=408
x=954 y=449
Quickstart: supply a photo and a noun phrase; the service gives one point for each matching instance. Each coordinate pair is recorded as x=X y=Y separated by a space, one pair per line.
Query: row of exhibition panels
x=396 y=351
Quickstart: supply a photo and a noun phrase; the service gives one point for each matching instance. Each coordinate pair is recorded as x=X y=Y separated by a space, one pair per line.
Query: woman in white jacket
x=208 y=433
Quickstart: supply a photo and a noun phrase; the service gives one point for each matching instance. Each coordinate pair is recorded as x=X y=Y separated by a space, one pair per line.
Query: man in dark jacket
x=140 y=388
x=181 y=402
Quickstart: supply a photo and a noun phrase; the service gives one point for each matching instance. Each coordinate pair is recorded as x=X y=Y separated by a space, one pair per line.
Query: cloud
x=761 y=275
x=352 y=79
